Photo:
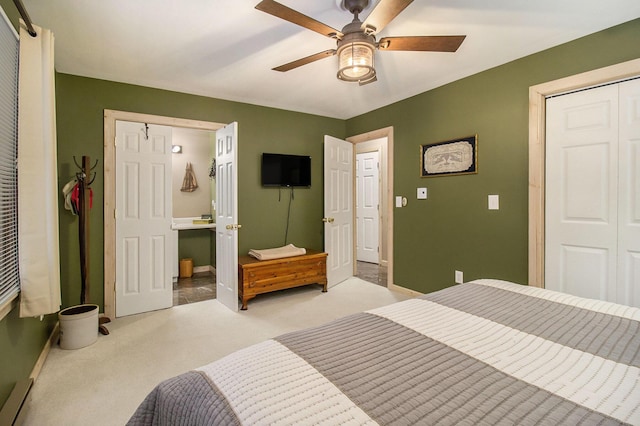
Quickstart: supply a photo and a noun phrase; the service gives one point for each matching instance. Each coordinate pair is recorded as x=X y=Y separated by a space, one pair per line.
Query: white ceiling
x=226 y=48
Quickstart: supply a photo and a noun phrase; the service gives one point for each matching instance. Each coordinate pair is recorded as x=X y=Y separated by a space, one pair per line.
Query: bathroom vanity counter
x=185 y=223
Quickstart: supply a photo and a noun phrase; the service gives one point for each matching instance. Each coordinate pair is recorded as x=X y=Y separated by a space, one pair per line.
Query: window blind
x=9 y=53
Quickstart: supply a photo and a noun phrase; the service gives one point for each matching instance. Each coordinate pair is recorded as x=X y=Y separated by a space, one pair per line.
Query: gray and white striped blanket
x=486 y=352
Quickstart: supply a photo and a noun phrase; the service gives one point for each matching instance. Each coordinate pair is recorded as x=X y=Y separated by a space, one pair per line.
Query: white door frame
x=110 y=118
x=537 y=114
x=387 y=196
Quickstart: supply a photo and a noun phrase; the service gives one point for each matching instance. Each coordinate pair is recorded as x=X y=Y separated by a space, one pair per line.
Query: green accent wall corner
x=453 y=229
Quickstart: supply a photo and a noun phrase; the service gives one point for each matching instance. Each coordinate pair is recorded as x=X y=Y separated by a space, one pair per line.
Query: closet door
x=581 y=182
x=629 y=199
x=592 y=220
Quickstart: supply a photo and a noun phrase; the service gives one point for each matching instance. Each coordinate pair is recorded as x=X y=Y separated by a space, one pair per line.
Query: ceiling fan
x=356 y=42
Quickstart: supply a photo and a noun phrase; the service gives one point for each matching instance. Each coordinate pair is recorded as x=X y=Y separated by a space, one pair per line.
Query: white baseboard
x=205 y=268
x=53 y=338
x=404 y=290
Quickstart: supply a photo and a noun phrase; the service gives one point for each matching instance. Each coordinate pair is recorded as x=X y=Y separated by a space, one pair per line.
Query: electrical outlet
x=459 y=277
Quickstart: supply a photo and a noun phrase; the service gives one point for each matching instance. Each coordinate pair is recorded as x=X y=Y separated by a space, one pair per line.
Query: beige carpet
x=104 y=383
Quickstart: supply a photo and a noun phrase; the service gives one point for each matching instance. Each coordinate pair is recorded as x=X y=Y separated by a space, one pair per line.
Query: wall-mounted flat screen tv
x=286 y=170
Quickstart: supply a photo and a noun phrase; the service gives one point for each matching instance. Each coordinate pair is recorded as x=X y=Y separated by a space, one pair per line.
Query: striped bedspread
x=486 y=352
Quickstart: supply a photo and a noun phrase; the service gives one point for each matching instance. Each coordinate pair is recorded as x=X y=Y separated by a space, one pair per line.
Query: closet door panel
x=581 y=193
x=629 y=199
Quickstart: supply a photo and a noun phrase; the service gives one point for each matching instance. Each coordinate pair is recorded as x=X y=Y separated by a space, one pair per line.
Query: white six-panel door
x=227 y=216
x=143 y=218
x=367 y=206
x=628 y=290
x=592 y=221
x=338 y=209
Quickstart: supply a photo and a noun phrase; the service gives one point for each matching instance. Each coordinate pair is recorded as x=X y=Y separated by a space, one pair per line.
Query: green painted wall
x=80 y=105
x=453 y=229
x=21 y=342
x=196 y=244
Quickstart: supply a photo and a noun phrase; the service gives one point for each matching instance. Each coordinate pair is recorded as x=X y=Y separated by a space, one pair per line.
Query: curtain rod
x=25 y=17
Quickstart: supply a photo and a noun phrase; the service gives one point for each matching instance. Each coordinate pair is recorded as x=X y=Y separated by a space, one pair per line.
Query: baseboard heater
x=12 y=412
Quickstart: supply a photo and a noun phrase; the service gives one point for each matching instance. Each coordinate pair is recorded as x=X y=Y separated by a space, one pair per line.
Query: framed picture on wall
x=453 y=157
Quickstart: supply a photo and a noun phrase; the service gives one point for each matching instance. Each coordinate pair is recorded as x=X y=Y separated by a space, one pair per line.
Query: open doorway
x=193 y=193
x=110 y=118
x=380 y=141
x=370 y=256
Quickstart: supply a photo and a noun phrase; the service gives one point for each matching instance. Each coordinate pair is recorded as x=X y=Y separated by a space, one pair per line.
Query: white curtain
x=38 y=242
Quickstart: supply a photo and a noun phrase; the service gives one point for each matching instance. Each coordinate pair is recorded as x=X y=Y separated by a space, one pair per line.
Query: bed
x=485 y=352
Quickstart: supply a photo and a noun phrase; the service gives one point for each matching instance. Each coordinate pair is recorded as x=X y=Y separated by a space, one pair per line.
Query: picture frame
x=450 y=158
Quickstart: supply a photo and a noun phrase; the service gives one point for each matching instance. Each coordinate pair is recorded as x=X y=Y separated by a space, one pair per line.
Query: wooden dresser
x=263 y=276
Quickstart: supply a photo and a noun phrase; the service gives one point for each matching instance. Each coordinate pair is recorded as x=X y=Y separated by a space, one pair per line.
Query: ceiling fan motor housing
x=355 y=5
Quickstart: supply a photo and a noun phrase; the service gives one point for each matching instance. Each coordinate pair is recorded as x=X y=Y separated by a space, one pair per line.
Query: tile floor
x=372 y=272
x=202 y=285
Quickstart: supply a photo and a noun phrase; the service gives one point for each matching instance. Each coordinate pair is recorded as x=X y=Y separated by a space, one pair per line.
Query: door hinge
x=115 y=213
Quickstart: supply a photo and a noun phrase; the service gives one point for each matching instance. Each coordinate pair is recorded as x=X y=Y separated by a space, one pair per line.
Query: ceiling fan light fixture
x=355 y=61
x=356 y=43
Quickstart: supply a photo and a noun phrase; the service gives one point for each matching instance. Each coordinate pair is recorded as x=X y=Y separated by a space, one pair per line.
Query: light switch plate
x=399 y=201
x=494 y=202
x=422 y=193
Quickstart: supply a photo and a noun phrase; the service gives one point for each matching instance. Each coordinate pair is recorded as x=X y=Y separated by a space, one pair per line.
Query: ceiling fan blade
x=383 y=13
x=422 y=43
x=283 y=12
x=305 y=61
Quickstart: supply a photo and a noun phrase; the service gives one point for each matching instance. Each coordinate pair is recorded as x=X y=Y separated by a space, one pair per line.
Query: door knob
x=328 y=219
x=233 y=227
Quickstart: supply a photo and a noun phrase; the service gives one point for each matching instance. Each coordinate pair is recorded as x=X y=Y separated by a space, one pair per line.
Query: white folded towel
x=278 y=252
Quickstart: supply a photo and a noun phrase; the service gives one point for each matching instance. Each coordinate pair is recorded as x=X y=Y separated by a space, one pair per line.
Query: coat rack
x=85 y=177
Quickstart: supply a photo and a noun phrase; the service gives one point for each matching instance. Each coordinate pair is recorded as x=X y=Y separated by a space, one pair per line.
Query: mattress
x=485 y=352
